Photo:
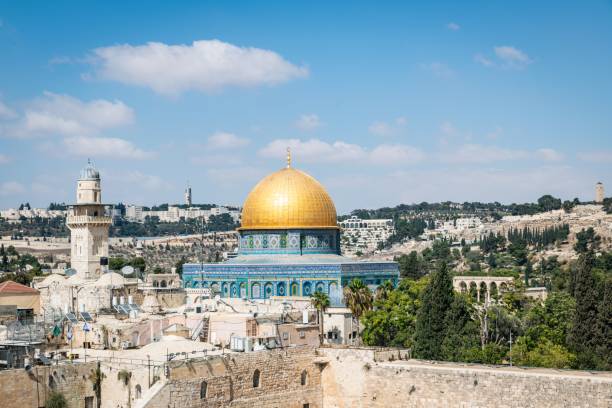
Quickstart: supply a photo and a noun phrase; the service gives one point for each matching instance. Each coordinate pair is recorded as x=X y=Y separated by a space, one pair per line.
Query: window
x=256 y=376
x=304 y=378
x=285 y=336
x=138 y=391
x=89 y=402
x=203 y=389
x=302 y=334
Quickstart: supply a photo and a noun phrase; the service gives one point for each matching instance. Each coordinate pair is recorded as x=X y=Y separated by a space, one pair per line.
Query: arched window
x=256 y=376
x=163 y=284
x=203 y=389
x=138 y=391
x=304 y=378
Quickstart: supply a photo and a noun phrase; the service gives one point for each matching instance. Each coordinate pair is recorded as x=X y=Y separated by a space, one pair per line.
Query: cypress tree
x=584 y=334
x=431 y=324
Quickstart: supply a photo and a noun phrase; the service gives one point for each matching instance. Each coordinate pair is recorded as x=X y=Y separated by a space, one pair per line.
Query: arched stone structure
x=483 y=287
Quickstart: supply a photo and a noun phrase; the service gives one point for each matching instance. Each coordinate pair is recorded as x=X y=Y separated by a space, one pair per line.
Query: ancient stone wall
x=354 y=378
x=22 y=389
x=287 y=378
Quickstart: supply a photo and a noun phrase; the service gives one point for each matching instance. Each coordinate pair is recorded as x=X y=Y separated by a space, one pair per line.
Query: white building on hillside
x=364 y=235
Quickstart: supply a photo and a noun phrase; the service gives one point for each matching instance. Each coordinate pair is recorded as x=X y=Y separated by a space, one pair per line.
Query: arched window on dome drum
x=320 y=287
x=255 y=290
x=268 y=290
x=280 y=289
x=306 y=289
x=243 y=290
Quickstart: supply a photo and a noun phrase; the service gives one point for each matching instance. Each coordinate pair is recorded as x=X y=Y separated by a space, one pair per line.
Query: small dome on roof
x=110 y=279
x=89 y=172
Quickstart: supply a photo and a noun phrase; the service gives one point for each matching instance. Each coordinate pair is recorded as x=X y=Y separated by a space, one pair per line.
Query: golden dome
x=288 y=198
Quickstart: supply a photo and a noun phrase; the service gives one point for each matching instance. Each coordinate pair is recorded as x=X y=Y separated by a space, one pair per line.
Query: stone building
x=599 y=193
x=88 y=226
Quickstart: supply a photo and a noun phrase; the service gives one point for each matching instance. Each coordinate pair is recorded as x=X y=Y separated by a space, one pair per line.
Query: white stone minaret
x=188 y=196
x=88 y=226
x=599 y=193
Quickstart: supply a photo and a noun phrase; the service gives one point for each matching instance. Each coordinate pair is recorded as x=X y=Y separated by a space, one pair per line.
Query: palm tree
x=125 y=376
x=320 y=301
x=358 y=298
x=96 y=377
x=382 y=291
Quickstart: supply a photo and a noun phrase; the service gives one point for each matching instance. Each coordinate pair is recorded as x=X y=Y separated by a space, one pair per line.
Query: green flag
x=56 y=331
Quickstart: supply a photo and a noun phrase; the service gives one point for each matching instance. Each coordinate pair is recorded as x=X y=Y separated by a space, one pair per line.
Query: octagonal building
x=289 y=246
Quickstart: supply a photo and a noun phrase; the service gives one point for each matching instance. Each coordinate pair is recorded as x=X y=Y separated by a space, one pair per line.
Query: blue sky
x=384 y=103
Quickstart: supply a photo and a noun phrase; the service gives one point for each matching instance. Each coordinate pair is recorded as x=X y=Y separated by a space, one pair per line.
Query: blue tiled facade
x=287 y=263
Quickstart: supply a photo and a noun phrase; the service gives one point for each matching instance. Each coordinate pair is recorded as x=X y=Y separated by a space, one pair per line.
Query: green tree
x=461 y=339
x=528 y=272
x=431 y=324
x=544 y=354
x=383 y=290
x=584 y=335
x=392 y=321
x=586 y=240
x=320 y=301
x=358 y=298
x=410 y=266
x=56 y=400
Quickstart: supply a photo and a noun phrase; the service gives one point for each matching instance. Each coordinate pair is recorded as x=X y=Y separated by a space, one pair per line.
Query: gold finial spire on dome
x=288 y=157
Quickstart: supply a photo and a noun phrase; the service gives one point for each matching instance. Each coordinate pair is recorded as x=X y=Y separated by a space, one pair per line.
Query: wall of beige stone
x=22 y=389
x=354 y=378
x=230 y=381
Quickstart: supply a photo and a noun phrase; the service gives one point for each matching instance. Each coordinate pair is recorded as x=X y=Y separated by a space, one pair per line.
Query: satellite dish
x=127 y=270
x=69 y=271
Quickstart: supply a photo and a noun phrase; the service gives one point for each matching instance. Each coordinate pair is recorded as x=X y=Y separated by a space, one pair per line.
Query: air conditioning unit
x=126 y=344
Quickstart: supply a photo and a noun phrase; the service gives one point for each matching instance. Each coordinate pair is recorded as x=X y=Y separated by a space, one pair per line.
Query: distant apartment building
x=14 y=215
x=175 y=214
x=364 y=235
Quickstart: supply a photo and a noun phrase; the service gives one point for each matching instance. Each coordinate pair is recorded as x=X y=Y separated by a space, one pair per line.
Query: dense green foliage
x=572 y=328
x=56 y=400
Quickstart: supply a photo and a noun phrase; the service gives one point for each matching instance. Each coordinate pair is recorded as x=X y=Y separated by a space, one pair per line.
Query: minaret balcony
x=88 y=219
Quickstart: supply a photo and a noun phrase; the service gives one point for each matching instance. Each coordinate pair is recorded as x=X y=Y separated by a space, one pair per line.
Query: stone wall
x=355 y=378
x=229 y=381
x=22 y=389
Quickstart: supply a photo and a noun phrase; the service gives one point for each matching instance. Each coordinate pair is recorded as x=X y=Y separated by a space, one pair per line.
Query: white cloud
x=11 y=188
x=507 y=57
x=512 y=56
x=474 y=153
x=549 y=154
x=308 y=122
x=439 y=69
x=225 y=140
x=453 y=26
x=6 y=112
x=104 y=147
x=4 y=159
x=481 y=59
x=391 y=154
x=601 y=156
x=206 y=66
x=318 y=151
x=56 y=114
x=381 y=128
x=313 y=150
